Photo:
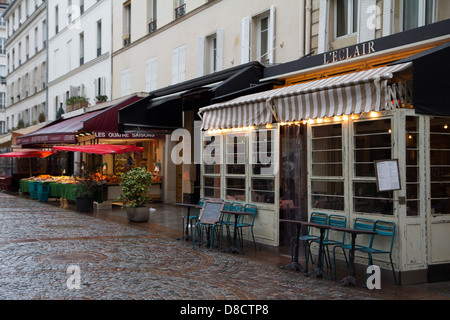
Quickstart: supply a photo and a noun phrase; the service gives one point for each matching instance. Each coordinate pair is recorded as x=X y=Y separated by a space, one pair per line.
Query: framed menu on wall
x=388 y=175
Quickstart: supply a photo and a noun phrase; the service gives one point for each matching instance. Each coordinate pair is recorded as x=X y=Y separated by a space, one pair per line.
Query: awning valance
x=100 y=149
x=355 y=92
x=27 y=154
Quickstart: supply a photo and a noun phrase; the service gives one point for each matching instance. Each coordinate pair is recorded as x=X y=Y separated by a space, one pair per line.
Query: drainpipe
x=308 y=27
x=302 y=28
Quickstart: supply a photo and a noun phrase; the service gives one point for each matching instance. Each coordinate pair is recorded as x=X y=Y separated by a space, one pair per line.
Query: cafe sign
x=358 y=50
x=116 y=135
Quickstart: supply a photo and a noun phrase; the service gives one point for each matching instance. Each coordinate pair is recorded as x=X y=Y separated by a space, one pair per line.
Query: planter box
x=76 y=106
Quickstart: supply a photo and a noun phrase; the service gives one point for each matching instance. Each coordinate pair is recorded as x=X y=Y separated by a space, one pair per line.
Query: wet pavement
x=44 y=246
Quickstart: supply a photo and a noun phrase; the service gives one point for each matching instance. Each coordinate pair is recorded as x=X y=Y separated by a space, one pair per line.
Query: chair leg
x=393 y=271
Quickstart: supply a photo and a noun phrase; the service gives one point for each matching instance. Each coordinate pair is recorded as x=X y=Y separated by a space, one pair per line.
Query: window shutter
x=154 y=73
x=201 y=57
x=245 y=40
x=323 y=26
x=175 y=66
x=148 y=75
x=219 y=39
x=182 y=64
x=387 y=17
x=103 y=87
x=367 y=20
x=271 y=48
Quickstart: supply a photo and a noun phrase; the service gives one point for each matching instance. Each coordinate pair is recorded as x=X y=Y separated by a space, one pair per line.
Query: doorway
x=293 y=179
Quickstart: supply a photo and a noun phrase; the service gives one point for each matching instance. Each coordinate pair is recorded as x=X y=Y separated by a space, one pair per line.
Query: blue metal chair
x=384 y=229
x=359 y=224
x=193 y=217
x=248 y=221
x=316 y=217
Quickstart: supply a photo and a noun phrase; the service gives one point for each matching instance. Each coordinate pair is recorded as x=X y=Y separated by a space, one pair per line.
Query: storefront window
x=372 y=142
x=212 y=146
x=235 y=152
x=263 y=190
x=327 y=184
x=263 y=165
x=235 y=189
x=412 y=166
x=212 y=187
x=440 y=165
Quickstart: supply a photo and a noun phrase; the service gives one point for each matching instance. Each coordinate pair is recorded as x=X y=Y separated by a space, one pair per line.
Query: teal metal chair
x=205 y=225
x=385 y=229
x=334 y=220
x=228 y=219
x=248 y=221
x=359 y=224
x=316 y=217
x=193 y=216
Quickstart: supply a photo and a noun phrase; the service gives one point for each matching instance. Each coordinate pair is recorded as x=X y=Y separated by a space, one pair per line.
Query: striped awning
x=352 y=93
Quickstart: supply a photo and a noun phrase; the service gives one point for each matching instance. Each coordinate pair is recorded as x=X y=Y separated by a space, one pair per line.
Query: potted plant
x=135 y=195
x=75 y=103
x=101 y=98
x=84 y=191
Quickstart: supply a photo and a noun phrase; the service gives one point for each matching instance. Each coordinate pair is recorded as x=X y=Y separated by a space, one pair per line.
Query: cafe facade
x=98 y=125
x=358 y=132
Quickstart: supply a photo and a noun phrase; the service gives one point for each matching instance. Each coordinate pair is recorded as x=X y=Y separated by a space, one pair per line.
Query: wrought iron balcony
x=180 y=11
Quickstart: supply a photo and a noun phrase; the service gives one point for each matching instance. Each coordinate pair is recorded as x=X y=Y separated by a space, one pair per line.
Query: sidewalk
x=123 y=260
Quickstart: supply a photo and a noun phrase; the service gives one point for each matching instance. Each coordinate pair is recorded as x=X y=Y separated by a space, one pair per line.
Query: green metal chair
x=385 y=229
x=359 y=224
x=248 y=221
x=316 y=217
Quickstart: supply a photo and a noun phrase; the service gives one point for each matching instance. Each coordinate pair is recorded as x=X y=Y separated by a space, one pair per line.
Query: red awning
x=27 y=154
x=100 y=148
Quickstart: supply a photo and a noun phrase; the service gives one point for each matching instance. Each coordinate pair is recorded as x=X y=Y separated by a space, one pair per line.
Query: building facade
x=3 y=68
x=26 y=52
x=79 y=54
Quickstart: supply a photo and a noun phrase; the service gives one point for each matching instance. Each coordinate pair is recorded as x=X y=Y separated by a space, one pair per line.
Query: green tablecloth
x=60 y=190
x=24 y=186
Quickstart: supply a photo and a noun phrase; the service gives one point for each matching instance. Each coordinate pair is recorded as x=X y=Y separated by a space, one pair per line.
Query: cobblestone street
x=118 y=261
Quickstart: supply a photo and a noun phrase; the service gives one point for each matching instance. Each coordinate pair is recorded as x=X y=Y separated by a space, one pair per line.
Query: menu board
x=211 y=212
x=388 y=175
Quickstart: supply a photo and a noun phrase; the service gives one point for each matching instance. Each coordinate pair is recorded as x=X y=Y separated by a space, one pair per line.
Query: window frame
x=421 y=14
x=350 y=23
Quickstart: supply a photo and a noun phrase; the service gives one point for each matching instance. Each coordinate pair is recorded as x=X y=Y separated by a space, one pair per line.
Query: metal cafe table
x=234 y=246
x=186 y=235
x=295 y=265
x=319 y=270
x=350 y=279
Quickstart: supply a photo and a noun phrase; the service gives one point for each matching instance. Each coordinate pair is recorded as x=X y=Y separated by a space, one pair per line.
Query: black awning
x=163 y=109
x=160 y=116
x=431 y=80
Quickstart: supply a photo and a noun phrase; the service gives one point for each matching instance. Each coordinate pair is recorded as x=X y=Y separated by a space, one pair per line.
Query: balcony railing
x=180 y=11
x=152 y=26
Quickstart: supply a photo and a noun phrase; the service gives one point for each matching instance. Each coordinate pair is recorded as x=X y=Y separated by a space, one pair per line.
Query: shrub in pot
x=135 y=195
x=86 y=185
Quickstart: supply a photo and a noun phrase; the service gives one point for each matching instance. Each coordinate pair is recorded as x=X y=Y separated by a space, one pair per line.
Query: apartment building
x=3 y=68
x=79 y=54
x=26 y=54
x=157 y=44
